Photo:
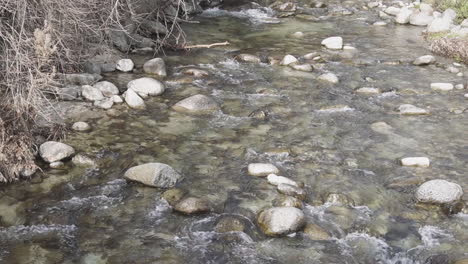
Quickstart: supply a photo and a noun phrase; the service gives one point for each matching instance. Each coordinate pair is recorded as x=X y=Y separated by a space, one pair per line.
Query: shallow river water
x=90 y=215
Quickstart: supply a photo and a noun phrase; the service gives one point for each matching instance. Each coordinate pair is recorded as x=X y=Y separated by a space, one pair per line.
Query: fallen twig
x=207 y=45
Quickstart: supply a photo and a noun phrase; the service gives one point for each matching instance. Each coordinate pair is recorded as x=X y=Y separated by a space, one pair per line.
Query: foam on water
x=431 y=236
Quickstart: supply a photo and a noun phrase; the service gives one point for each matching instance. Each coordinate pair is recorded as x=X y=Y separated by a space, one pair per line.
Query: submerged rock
x=288 y=59
x=292 y=190
x=338 y=199
x=192 y=205
x=155 y=66
x=146 y=86
x=424 y=60
x=329 y=77
x=288 y=201
x=415 y=162
x=125 y=65
x=279 y=221
x=229 y=224
x=196 y=104
x=407 y=109
x=133 y=100
x=333 y=43
x=52 y=151
x=154 y=174
x=196 y=72
x=83 y=160
x=262 y=169
x=248 y=58
x=439 y=192
x=173 y=196
x=81 y=126
x=315 y=232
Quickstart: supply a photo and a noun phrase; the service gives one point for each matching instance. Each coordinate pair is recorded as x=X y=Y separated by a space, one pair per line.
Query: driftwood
x=207 y=45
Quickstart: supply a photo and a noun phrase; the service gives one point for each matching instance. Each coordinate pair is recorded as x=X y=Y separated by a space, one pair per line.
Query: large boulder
x=146 y=86
x=196 y=104
x=279 y=221
x=154 y=174
x=52 y=151
x=439 y=192
x=155 y=66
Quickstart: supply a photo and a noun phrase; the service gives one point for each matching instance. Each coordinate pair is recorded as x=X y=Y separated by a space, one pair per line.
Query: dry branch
x=207 y=45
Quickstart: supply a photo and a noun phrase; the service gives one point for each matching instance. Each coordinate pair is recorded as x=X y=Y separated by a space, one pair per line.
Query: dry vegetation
x=40 y=38
x=451 y=47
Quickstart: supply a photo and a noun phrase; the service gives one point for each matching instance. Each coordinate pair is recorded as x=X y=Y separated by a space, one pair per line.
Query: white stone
x=278 y=221
x=298 y=34
x=348 y=47
x=383 y=15
x=277 y=180
x=56 y=165
x=196 y=103
x=466 y=95
x=424 y=60
x=452 y=69
x=310 y=56
x=460 y=86
x=407 y=109
x=288 y=59
x=133 y=100
x=426 y=8
x=439 y=192
x=302 y=67
x=464 y=23
x=368 y=90
x=146 y=86
x=117 y=99
x=333 y=43
x=420 y=19
x=449 y=14
x=392 y=10
x=81 y=126
x=329 y=77
x=415 y=162
x=105 y=103
x=155 y=66
x=125 y=65
x=460 y=74
x=107 y=89
x=262 y=169
x=90 y=93
x=380 y=23
x=154 y=174
x=440 y=24
x=403 y=17
x=442 y=86
x=52 y=151
x=437 y=14
x=248 y=58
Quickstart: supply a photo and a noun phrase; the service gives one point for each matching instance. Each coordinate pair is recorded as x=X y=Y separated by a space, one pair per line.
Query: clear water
x=81 y=215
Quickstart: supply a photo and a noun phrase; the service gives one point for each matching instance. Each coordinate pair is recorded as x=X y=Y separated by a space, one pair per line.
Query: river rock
x=91 y=93
x=154 y=174
x=117 y=99
x=424 y=60
x=338 y=199
x=368 y=90
x=403 y=17
x=315 y=232
x=442 y=86
x=408 y=109
x=333 y=43
x=302 y=67
x=105 y=103
x=196 y=72
x=288 y=59
x=379 y=23
x=56 y=165
x=81 y=126
x=415 y=162
x=248 y=58
x=426 y=9
x=439 y=192
x=298 y=34
x=288 y=201
x=279 y=221
x=173 y=196
x=196 y=104
x=125 y=65
x=107 y=89
x=262 y=169
x=83 y=160
x=155 y=66
x=229 y=224
x=276 y=180
x=133 y=100
x=392 y=10
x=460 y=86
x=440 y=24
x=292 y=190
x=329 y=77
x=146 y=86
x=52 y=151
x=192 y=205
x=420 y=19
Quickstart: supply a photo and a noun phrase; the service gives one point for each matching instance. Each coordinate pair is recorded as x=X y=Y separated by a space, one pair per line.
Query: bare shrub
x=451 y=47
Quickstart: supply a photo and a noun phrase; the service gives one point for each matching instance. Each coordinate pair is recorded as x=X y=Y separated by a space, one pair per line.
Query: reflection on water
x=315 y=132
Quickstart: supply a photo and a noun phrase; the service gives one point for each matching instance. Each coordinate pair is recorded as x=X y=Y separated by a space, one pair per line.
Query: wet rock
x=403 y=17
x=81 y=126
x=393 y=11
x=382 y=127
x=338 y=199
x=196 y=72
x=407 y=109
x=279 y=221
x=288 y=201
x=333 y=43
x=248 y=58
x=154 y=174
x=368 y=91
x=424 y=60
x=438 y=192
x=117 y=99
x=91 y=93
x=229 y=224
x=315 y=232
x=133 y=100
x=420 y=19
x=302 y=67
x=173 y=196
x=259 y=115
x=52 y=151
x=276 y=180
x=442 y=86
x=298 y=34
x=192 y=205
x=262 y=169
x=56 y=165
x=196 y=104
x=107 y=89
x=288 y=59
x=329 y=77
x=83 y=160
x=81 y=78
x=105 y=103
x=415 y=162
x=292 y=190
x=155 y=66
x=125 y=65
x=146 y=86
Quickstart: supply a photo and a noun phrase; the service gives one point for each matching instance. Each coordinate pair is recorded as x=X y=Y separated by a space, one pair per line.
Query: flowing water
x=90 y=215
